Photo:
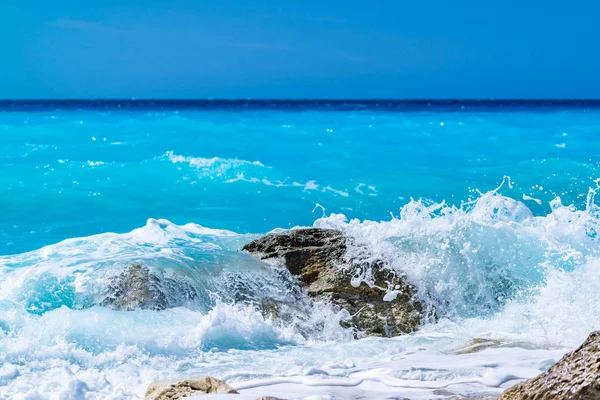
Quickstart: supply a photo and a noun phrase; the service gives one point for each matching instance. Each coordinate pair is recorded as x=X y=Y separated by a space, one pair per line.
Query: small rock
x=317 y=258
x=576 y=376
x=187 y=387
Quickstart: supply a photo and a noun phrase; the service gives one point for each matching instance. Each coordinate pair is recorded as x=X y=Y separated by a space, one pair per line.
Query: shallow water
x=185 y=185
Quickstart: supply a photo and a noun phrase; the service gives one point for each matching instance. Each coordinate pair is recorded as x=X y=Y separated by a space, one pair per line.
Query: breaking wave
x=489 y=268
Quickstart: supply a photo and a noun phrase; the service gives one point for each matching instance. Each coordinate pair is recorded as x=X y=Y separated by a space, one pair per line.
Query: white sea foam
x=201 y=162
x=235 y=170
x=493 y=263
x=308 y=186
x=489 y=269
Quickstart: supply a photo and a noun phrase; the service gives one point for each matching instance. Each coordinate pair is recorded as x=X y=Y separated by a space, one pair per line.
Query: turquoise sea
x=488 y=207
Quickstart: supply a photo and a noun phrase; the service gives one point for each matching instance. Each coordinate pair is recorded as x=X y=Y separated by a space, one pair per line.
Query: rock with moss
x=381 y=303
x=576 y=376
x=187 y=387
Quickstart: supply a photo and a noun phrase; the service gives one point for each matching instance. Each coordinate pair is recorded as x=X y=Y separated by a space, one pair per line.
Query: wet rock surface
x=139 y=287
x=576 y=376
x=187 y=387
x=317 y=257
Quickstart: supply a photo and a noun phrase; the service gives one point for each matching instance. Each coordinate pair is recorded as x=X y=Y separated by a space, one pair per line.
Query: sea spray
x=519 y=276
x=487 y=258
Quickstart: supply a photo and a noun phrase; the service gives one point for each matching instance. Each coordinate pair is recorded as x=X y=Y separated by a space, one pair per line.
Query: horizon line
x=208 y=99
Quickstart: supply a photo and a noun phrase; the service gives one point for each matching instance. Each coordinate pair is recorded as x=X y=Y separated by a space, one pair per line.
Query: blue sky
x=300 y=49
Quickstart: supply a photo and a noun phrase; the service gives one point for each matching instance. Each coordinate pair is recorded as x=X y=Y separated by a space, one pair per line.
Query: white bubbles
x=479 y=260
x=200 y=162
x=487 y=269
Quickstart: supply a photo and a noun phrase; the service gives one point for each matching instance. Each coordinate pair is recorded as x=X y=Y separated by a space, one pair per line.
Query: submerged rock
x=269 y=398
x=476 y=345
x=576 y=376
x=187 y=387
x=386 y=306
x=138 y=287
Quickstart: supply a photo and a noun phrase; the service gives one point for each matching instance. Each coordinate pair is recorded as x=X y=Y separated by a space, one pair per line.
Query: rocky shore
x=574 y=377
x=380 y=303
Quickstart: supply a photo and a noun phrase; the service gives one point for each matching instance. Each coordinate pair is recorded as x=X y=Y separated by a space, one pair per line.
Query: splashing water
x=487 y=269
x=522 y=276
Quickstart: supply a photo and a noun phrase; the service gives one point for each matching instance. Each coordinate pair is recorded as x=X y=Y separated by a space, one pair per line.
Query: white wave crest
x=200 y=162
x=492 y=259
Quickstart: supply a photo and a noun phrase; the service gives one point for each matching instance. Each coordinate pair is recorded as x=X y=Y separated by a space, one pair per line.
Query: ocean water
x=488 y=207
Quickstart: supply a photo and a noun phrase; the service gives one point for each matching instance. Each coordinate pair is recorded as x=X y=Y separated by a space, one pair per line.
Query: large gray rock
x=187 y=387
x=139 y=287
x=317 y=258
x=576 y=376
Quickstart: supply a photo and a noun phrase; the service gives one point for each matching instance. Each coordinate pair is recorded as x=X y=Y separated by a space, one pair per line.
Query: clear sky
x=299 y=49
